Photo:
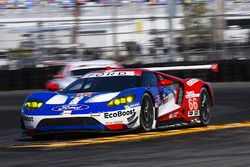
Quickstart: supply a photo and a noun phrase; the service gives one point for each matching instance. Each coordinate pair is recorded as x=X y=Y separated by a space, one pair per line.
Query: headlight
x=122 y=100
x=32 y=105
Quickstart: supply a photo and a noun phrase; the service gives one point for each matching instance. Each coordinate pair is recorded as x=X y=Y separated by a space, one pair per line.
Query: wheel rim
x=205 y=108
x=147 y=114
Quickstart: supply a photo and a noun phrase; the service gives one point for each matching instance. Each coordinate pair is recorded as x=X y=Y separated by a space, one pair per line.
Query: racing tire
x=205 y=107
x=147 y=113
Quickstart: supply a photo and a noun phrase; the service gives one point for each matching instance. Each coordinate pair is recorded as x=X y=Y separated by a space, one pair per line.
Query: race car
x=119 y=100
x=74 y=69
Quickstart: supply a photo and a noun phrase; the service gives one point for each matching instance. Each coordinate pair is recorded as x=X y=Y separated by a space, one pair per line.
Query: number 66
x=193 y=104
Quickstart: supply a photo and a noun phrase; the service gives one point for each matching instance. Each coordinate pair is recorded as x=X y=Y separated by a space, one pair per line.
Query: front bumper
x=121 y=120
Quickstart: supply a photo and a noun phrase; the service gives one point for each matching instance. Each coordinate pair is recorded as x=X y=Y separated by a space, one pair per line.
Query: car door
x=168 y=93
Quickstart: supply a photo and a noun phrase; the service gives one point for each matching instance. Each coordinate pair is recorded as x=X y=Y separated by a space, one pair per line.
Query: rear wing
x=213 y=67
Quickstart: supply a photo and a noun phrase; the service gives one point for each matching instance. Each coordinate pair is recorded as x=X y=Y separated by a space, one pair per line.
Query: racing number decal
x=193 y=104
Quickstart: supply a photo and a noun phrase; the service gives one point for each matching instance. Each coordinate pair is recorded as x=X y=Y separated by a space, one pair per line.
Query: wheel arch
x=151 y=96
x=154 y=112
x=210 y=92
x=156 y=109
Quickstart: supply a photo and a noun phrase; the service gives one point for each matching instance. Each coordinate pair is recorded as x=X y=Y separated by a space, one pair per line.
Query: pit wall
x=35 y=78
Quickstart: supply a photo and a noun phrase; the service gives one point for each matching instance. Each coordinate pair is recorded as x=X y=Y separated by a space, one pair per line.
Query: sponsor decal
x=173 y=115
x=195 y=121
x=95 y=114
x=115 y=122
x=191 y=82
x=118 y=114
x=67 y=112
x=194 y=113
x=134 y=105
x=126 y=107
x=28 y=119
x=72 y=107
x=110 y=74
x=165 y=99
x=191 y=94
x=87 y=94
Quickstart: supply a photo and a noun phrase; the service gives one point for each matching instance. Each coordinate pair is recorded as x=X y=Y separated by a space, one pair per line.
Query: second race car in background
x=72 y=70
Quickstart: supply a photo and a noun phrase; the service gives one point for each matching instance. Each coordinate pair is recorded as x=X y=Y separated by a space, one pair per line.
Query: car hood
x=77 y=103
x=80 y=98
x=55 y=103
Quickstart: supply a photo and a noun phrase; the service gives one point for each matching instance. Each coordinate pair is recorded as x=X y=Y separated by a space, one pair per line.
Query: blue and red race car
x=119 y=100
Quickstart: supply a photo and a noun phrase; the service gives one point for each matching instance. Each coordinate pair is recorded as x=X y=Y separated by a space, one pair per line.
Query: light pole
x=114 y=28
x=76 y=15
x=171 y=14
x=220 y=22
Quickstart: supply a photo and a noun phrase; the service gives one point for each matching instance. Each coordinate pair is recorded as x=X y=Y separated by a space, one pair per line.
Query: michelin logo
x=118 y=114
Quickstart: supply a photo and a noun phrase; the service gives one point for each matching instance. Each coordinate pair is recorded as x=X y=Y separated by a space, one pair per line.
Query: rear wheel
x=205 y=107
x=147 y=113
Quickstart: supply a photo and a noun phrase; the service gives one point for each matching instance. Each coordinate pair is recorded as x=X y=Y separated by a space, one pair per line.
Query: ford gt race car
x=119 y=100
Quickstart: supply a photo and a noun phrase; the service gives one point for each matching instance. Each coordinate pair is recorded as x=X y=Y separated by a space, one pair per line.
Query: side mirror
x=51 y=86
x=165 y=82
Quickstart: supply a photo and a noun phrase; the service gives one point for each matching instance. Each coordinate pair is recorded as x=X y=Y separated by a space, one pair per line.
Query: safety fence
x=35 y=78
x=128 y=29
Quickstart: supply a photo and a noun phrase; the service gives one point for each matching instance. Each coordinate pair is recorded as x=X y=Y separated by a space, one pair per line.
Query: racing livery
x=119 y=100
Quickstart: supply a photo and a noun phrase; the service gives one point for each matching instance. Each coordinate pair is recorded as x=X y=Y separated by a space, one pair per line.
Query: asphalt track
x=225 y=143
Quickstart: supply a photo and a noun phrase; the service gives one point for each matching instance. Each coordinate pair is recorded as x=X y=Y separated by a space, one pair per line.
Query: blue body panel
x=84 y=107
x=96 y=107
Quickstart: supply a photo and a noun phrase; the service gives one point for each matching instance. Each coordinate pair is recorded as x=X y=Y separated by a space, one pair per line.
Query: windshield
x=103 y=84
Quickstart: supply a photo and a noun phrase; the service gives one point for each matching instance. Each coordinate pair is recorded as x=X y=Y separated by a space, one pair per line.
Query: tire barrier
x=35 y=78
x=26 y=78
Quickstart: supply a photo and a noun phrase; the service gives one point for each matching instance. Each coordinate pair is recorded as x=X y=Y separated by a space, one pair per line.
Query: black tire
x=147 y=113
x=205 y=107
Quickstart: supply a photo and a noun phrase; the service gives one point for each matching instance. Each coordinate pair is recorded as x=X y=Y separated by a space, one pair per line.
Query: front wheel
x=147 y=113
x=205 y=107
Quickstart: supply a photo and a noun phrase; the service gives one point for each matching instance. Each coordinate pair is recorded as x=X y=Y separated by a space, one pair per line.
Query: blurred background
x=44 y=33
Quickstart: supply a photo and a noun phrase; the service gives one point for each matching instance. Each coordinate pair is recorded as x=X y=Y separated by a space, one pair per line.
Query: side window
x=160 y=77
x=149 y=79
